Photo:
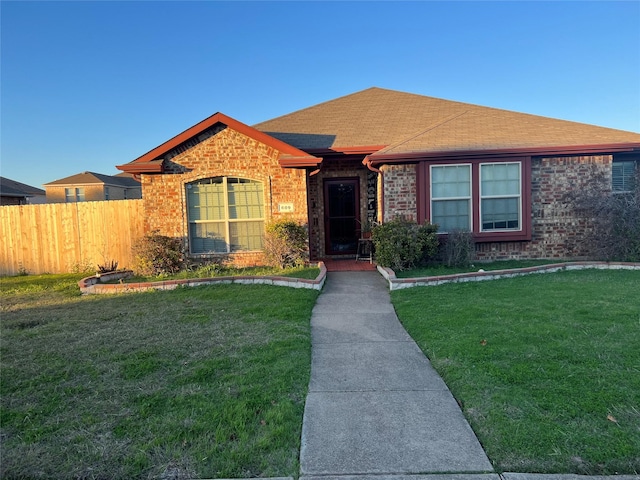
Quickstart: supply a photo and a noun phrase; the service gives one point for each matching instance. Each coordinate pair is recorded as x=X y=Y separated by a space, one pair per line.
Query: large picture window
x=225 y=215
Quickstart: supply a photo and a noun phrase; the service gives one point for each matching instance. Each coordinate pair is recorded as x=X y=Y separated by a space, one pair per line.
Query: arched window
x=225 y=215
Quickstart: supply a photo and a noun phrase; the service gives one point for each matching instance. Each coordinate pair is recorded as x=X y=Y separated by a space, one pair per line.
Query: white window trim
x=519 y=197
x=468 y=198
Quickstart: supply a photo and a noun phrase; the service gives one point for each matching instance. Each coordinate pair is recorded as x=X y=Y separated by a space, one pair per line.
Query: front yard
x=196 y=382
x=211 y=381
x=546 y=367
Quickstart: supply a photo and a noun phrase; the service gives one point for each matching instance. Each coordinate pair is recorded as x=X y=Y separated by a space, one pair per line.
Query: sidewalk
x=375 y=405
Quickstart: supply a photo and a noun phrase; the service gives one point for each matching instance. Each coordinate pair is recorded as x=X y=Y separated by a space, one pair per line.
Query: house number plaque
x=285 y=207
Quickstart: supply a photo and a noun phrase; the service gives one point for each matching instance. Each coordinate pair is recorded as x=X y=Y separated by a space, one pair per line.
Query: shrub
x=401 y=244
x=285 y=244
x=459 y=249
x=614 y=219
x=158 y=255
x=108 y=267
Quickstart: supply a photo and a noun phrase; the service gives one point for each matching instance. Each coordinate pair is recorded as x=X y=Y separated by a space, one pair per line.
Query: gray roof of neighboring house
x=92 y=178
x=400 y=123
x=11 y=188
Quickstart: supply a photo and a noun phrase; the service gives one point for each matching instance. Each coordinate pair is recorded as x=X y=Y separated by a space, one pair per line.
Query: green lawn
x=546 y=367
x=207 y=381
x=436 y=270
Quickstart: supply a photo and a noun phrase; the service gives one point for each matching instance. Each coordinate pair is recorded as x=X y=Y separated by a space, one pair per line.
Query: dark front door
x=341 y=216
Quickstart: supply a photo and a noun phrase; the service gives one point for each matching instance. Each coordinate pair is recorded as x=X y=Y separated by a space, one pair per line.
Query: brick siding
x=556 y=231
x=400 y=192
x=226 y=153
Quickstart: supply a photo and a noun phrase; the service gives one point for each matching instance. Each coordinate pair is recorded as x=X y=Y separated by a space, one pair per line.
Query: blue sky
x=92 y=85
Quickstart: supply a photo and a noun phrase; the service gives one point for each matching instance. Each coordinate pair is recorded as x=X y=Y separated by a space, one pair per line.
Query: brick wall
x=227 y=153
x=556 y=231
x=400 y=192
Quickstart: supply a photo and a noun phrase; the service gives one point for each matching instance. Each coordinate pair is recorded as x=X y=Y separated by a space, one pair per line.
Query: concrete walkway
x=375 y=405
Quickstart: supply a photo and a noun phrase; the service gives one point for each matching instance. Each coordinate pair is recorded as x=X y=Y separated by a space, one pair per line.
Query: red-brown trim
x=299 y=162
x=360 y=150
x=424 y=204
x=422 y=187
x=327 y=227
x=468 y=155
x=146 y=167
x=142 y=163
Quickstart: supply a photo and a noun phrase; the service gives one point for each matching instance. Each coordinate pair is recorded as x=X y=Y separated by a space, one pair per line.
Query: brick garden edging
x=95 y=283
x=399 y=283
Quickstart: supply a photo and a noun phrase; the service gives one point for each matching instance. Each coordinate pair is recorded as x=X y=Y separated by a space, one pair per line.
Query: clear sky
x=91 y=85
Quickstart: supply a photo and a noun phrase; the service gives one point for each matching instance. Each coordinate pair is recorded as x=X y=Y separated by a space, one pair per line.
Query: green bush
x=285 y=244
x=158 y=255
x=401 y=244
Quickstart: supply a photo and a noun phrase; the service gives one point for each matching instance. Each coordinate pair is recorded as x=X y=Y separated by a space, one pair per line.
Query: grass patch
x=546 y=367
x=213 y=270
x=436 y=270
x=196 y=382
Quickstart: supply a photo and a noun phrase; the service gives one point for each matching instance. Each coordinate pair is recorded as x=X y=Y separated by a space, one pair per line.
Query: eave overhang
x=376 y=160
x=299 y=162
x=359 y=150
x=151 y=162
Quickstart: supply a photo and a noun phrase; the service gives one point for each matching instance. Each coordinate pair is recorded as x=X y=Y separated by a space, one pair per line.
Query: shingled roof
x=403 y=125
x=92 y=178
x=12 y=188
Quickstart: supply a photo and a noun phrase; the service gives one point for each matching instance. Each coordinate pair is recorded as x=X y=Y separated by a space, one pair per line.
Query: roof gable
x=92 y=178
x=151 y=162
x=405 y=123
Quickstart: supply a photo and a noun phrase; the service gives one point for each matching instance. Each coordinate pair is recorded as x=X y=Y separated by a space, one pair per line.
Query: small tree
x=156 y=254
x=401 y=244
x=285 y=244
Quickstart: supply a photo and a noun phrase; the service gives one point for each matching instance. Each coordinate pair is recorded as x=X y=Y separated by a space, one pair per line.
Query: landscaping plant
x=285 y=244
x=614 y=219
x=157 y=254
x=401 y=244
x=459 y=249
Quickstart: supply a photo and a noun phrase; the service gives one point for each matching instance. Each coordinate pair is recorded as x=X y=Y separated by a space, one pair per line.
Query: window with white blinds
x=225 y=215
x=623 y=175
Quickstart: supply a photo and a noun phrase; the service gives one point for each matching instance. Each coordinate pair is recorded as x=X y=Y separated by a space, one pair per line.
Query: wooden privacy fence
x=66 y=237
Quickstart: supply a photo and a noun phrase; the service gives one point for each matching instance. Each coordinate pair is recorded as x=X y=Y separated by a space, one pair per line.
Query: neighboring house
x=378 y=154
x=90 y=186
x=16 y=193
